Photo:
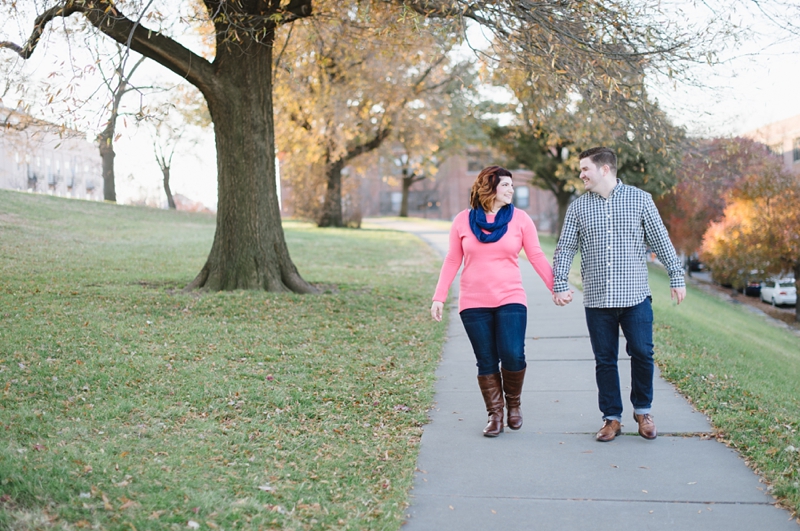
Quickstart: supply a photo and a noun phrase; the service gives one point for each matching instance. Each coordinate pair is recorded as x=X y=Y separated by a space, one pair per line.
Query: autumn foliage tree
x=759 y=229
x=346 y=82
x=554 y=122
x=708 y=170
x=249 y=249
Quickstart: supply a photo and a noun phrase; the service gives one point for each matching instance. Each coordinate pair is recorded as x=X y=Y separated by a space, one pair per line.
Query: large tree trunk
x=407 y=182
x=106 y=144
x=331 y=215
x=249 y=249
x=167 y=190
x=562 y=199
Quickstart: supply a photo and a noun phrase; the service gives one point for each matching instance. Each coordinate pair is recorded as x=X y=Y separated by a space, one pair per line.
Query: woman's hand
x=436 y=310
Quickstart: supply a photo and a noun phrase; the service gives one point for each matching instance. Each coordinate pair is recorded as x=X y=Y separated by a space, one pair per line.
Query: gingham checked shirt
x=611 y=234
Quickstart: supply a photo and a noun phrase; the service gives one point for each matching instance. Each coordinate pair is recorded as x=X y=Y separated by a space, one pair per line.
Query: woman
x=492 y=303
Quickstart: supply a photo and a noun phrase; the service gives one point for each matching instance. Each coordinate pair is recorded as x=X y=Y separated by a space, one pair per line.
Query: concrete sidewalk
x=552 y=474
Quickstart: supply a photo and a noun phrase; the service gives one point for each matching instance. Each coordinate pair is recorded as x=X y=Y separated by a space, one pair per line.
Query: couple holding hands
x=611 y=225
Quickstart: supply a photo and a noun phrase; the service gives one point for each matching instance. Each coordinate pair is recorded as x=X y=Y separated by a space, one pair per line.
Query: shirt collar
x=617 y=188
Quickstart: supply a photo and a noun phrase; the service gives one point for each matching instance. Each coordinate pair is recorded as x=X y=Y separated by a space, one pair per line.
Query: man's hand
x=562 y=298
x=677 y=294
x=436 y=310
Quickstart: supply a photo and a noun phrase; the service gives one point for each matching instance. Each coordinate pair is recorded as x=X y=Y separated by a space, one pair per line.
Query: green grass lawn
x=742 y=372
x=126 y=403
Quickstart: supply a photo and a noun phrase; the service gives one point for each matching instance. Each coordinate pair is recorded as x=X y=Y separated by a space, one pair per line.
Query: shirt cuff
x=560 y=286
x=677 y=281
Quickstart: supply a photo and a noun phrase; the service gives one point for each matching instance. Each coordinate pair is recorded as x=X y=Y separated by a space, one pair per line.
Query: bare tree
x=165 y=142
x=118 y=84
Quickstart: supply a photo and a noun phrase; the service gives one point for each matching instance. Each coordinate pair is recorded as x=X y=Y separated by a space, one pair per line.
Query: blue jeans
x=637 y=326
x=497 y=336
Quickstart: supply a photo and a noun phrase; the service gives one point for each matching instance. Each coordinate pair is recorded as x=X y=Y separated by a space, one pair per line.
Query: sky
x=756 y=83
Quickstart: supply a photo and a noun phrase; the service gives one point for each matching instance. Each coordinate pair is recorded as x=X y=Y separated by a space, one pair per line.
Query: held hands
x=436 y=310
x=677 y=294
x=562 y=298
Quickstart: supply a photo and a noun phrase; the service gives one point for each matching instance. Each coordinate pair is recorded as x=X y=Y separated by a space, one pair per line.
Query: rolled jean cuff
x=642 y=411
x=613 y=417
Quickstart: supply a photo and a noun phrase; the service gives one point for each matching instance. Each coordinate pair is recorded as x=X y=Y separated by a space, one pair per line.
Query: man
x=611 y=224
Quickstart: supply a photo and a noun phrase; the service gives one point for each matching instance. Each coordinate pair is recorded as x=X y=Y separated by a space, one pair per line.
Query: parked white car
x=779 y=291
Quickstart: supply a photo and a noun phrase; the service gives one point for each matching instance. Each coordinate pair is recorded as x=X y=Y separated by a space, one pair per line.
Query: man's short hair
x=601 y=156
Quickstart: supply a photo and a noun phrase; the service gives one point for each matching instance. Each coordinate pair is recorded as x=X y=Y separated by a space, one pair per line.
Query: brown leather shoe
x=610 y=429
x=492 y=390
x=512 y=386
x=647 y=428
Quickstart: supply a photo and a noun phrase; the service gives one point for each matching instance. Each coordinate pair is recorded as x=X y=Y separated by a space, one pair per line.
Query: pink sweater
x=491 y=275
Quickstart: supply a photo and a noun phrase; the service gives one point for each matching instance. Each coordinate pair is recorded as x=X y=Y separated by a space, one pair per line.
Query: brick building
x=378 y=191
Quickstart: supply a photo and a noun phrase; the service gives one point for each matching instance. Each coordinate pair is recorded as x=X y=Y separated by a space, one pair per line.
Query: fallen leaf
x=191 y=524
x=128 y=504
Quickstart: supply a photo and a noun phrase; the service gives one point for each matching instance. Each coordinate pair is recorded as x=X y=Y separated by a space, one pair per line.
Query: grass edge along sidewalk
x=735 y=367
x=738 y=369
x=126 y=403
x=742 y=372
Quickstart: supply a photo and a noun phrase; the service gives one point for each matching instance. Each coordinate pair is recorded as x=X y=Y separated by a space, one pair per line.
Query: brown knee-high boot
x=492 y=389
x=512 y=385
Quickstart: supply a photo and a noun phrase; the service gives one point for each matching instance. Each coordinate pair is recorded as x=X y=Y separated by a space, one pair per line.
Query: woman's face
x=505 y=193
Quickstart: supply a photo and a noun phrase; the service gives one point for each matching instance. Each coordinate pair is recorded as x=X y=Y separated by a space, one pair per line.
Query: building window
x=477 y=160
x=522 y=197
x=796 y=150
x=776 y=149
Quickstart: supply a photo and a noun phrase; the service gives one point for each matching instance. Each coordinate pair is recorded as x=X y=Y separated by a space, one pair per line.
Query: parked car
x=779 y=291
x=753 y=288
x=696 y=265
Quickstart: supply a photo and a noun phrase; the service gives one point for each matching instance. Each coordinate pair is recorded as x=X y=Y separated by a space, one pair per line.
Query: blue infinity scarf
x=477 y=221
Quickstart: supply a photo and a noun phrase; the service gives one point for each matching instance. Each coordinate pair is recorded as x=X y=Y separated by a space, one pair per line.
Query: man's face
x=591 y=175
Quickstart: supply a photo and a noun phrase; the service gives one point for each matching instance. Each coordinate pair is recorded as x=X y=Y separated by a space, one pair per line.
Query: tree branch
x=366 y=147
x=104 y=16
